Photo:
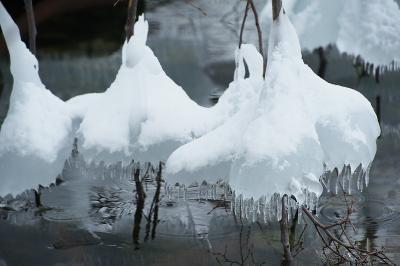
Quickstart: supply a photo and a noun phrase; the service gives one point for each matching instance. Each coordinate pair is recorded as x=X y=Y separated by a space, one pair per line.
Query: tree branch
x=31 y=25
x=131 y=18
x=276 y=8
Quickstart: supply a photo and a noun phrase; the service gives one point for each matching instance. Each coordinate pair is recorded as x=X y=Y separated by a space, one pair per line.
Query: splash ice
x=299 y=123
x=37 y=125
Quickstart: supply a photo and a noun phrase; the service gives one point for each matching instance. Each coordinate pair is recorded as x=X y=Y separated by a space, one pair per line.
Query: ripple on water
x=365 y=211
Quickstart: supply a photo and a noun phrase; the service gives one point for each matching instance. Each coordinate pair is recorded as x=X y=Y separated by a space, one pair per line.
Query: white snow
x=280 y=141
x=37 y=124
x=37 y=121
x=273 y=135
x=369 y=28
x=144 y=108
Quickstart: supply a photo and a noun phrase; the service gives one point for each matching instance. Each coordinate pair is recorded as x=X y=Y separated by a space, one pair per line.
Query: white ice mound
x=358 y=27
x=37 y=123
x=218 y=145
x=280 y=141
x=144 y=108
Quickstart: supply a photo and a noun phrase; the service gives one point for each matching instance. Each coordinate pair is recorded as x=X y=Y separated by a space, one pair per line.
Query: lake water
x=90 y=220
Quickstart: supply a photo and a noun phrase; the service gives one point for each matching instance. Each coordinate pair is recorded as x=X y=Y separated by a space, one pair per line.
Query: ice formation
x=281 y=141
x=37 y=125
x=357 y=27
x=143 y=115
x=145 y=110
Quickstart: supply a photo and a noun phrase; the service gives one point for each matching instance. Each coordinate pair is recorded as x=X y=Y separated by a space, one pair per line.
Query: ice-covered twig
x=287 y=255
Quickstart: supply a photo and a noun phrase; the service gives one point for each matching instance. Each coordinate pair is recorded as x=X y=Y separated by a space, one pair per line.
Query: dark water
x=90 y=219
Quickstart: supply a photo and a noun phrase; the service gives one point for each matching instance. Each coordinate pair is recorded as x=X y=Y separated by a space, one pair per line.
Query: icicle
x=241 y=205
x=279 y=207
x=184 y=193
x=233 y=203
x=367 y=175
x=199 y=192
x=266 y=210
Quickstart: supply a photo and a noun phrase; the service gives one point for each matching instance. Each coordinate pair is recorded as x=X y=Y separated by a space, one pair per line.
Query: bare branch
x=131 y=17
x=276 y=8
x=31 y=25
x=243 y=23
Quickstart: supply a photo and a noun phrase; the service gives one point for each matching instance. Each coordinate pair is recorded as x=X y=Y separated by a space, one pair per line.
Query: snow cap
x=283 y=39
x=133 y=49
x=24 y=65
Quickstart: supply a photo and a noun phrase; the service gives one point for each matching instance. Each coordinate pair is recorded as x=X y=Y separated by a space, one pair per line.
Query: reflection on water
x=91 y=218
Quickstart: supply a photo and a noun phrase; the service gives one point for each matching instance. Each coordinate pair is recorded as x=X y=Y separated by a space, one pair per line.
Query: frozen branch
x=287 y=254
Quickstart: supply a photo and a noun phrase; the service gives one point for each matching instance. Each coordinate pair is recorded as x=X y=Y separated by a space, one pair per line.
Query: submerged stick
x=157 y=201
x=287 y=254
x=140 y=199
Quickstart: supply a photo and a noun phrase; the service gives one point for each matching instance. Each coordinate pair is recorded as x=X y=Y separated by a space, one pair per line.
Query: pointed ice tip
x=133 y=49
x=24 y=65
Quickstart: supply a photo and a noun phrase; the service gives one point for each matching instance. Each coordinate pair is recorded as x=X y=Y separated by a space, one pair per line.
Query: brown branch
x=357 y=253
x=276 y=8
x=259 y=32
x=157 y=200
x=131 y=18
x=141 y=196
x=31 y=25
x=243 y=23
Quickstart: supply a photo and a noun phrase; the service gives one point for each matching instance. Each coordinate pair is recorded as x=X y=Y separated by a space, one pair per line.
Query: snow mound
x=37 y=124
x=143 y=112
x=144 y=109
x=358 y=27
x=280 y=141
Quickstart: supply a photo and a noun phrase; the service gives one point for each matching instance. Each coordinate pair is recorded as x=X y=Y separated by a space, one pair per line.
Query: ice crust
x=143 y=115
x=37 y=125
x=144 y=108
x=281 y=141
x=357 y=27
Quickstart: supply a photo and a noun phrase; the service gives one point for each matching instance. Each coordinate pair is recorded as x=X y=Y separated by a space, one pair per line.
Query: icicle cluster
x=348 y=181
